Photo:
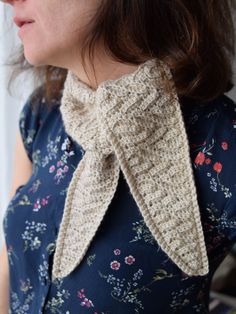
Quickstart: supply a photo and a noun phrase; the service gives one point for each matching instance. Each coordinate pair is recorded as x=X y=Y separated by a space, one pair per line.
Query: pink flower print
x=59 y=175
x=59 y=163
x=115 y=265
x=117 y=251
x=207 y=161
x=129 y=260
x=59 y=171
x=52 y=169
x=224 y=145
x=37 y=205
x=81 y=294
x=44 y=201
x=200 y=158
x=87 y=303
x=217 y=167
x=66 y=168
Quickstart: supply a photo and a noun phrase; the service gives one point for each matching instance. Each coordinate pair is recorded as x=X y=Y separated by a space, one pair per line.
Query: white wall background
x=10 y=106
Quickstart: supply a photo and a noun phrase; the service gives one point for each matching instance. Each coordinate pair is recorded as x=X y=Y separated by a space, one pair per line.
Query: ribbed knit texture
x=131 y=124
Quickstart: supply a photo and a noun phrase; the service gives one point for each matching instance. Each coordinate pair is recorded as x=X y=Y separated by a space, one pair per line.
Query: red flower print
x=115 y=265
x=65 y=168
x=117 y=251
x=217 y=167
x=200 y=158
x=207 y=161
x=224 y=145
x=129 y=260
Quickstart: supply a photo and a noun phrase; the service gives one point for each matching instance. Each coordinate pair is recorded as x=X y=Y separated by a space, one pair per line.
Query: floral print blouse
x=124 y=271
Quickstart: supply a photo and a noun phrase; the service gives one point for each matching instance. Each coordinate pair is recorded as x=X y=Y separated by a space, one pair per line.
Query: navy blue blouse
x=124 y=271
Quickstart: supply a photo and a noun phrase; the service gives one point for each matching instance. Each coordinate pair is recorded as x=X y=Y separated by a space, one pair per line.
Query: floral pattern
x=30 y=234
x=124 y=270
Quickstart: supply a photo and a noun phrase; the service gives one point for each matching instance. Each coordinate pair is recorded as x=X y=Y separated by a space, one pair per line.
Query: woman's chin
x=34 y=60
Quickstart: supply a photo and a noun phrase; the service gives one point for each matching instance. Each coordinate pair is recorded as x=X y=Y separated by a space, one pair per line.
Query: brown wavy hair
x=196 y=38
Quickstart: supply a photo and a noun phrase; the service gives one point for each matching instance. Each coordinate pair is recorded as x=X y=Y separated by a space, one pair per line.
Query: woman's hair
x=196 y=38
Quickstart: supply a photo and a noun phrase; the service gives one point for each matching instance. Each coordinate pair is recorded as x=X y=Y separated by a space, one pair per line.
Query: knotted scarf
x=133 y=124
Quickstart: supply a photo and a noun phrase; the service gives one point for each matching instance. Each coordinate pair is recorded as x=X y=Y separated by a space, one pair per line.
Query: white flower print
x=30 y=237
x=56 y=302
x=35 y=186
x=66 y=144
x=142 y=232
x=90 y=259
x=43 y=271
x=16 y=306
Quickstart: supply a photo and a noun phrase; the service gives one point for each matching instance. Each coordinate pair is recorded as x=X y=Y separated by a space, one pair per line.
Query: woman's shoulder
x=216 y=118
x=37 y=100
x=211 y=130
x=37 y=108
x=222 y=103
x=35 y=112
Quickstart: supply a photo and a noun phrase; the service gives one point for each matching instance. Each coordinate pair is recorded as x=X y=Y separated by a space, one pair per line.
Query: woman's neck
x=105 y=69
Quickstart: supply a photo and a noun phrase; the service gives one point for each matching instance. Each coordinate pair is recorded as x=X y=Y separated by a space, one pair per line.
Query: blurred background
x=223 y=292
x=11 y=104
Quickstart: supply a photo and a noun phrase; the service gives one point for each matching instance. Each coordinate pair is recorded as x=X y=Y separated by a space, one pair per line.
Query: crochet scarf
x=135 y=125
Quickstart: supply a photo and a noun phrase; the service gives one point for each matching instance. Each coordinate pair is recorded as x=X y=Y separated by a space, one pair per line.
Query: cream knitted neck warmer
x=134 y=125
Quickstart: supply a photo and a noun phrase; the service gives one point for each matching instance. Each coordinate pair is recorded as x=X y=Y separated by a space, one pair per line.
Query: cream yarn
x=134 y=125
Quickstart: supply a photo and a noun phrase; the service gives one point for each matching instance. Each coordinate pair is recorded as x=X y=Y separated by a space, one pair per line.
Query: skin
x=57 y=36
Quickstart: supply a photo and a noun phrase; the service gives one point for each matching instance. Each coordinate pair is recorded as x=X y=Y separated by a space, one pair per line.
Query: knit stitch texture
x=131 y=124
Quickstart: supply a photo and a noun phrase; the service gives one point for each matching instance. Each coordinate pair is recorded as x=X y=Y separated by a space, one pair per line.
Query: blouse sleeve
x=212 y=138
x=30 y=120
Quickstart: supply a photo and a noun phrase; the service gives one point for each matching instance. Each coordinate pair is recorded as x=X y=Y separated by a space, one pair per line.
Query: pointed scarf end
x=60 y=272
x=201 y=270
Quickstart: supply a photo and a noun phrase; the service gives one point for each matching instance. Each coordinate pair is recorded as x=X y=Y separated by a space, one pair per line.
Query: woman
x=130 y=206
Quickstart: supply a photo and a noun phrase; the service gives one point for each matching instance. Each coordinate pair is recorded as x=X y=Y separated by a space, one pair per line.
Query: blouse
x=124 y=270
